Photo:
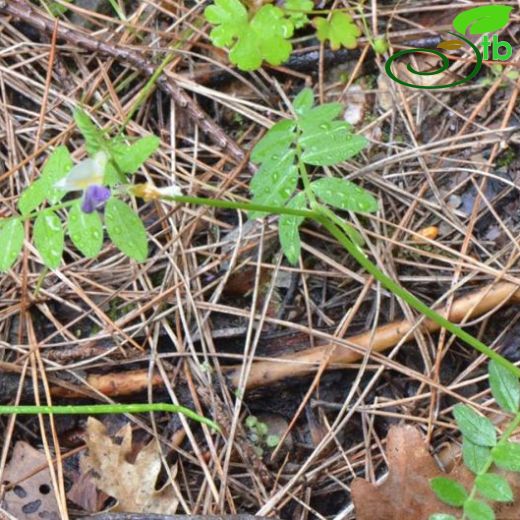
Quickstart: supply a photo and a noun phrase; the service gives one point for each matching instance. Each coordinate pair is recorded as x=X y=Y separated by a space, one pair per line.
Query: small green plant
x=482 y=453
x=258 y=433
x=314 y=137
x=264 y=35
x=102 y=181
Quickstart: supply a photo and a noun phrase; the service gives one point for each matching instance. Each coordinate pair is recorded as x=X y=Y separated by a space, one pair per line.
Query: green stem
x=412 y=300
x=320 y=215
x=93 y=409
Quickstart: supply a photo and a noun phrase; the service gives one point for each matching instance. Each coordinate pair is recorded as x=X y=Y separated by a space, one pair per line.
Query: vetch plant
x=98 y=207
x=483 y=453
x=314 y=138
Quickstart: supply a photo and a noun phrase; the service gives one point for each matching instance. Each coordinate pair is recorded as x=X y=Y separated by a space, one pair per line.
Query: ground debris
x=133 y=484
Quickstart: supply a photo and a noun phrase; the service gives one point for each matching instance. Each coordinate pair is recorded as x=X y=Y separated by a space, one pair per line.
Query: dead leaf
x=32 y=495
x=406 y=492
x=450 y=45
x=131 y=483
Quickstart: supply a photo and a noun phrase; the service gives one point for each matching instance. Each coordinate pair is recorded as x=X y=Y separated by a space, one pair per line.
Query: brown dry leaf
x=132 y=484
x=406 y=492
x=32 y=495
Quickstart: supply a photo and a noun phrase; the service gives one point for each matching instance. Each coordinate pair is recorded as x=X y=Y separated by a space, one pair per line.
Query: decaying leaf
x=131 y=483
x=32 y=495
x=406 y=492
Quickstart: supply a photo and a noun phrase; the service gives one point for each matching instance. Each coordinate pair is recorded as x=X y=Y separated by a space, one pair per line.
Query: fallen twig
x=344 y=352
x=22 y=10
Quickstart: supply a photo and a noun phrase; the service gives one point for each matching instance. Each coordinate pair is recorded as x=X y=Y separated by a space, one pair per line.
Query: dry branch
x=307 y=361
x=22 y=10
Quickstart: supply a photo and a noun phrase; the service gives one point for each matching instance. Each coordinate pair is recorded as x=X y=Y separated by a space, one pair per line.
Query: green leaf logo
x=484 y=19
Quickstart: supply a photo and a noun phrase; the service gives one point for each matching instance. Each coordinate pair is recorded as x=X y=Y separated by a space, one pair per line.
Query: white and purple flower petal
x=85 y=173
x=94 y=198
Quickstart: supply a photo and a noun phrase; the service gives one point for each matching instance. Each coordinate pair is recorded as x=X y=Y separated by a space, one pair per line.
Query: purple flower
x=94 y=198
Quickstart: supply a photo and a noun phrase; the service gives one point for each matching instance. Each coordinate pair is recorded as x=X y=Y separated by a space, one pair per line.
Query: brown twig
x=25 y=12
x=307 y=361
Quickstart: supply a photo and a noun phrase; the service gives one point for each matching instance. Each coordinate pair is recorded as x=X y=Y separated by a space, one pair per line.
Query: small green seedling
x=483 y=453
x=258 y=433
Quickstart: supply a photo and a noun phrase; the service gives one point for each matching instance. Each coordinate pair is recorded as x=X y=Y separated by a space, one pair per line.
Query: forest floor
x=216 y=298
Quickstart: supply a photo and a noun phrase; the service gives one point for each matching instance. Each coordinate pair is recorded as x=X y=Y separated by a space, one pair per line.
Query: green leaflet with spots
x=345 y=195
x=289 y=229
x=275 y=181
x=49 y=238
x=11 y=240
x=86 y=231
x=126 y=230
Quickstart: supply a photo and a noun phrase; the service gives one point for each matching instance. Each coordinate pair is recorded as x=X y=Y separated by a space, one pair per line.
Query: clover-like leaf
x=289 y=229
x=265 y=37
x=230 y=18
x=340 y=30
x=49 y=238
x=86 y=231
x=345 y=195
x=11 y=240
x=126 y=230
x=483 y=19
x=296 y=11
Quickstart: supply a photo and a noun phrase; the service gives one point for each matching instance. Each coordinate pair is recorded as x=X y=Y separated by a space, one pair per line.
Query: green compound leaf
x=49 y=238
x=330 y=143
x=483 y=19
x=275 y=142
x=504 y=387
x=55 y=168
x=345 y=195
x=476 y=428
x=275 y=182
x=441 y=516
x=340 y=30
x=94 y=139
x=126 y=230
x=475 y=457
x=230 y=17
x=86 y=231
x=289 y=230
x=265 y=37
x=304 y=101
x=11 y=240
x=507 y=456
x=478 y=510
x=449 y=491
x=494 y=487
x=296 y=11
x=130 y=158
